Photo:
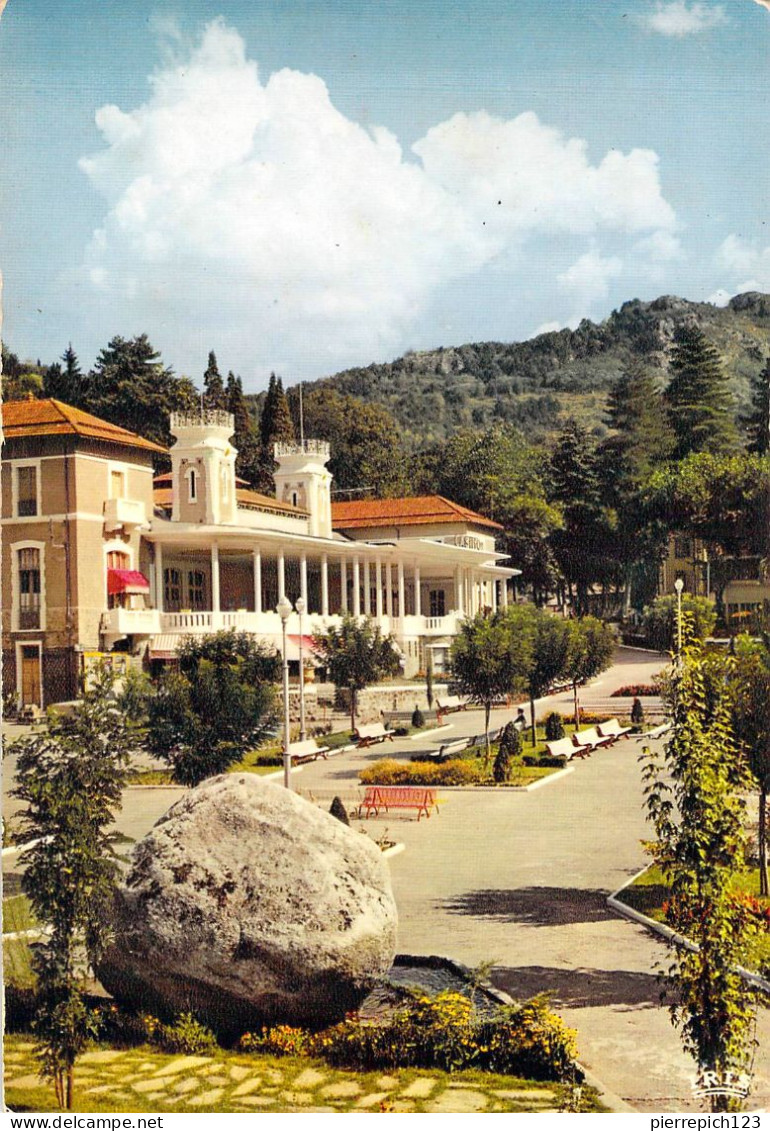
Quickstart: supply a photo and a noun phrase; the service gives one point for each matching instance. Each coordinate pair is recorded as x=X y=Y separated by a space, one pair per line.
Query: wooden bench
x=448 y=705
x=589 y=739
x=387 y=797
x=565 y=748
x=370 y=733
x=307 y=751
x=656 y=732
x=613 y=730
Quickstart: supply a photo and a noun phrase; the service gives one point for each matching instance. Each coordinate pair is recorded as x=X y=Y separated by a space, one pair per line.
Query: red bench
x=398 y=797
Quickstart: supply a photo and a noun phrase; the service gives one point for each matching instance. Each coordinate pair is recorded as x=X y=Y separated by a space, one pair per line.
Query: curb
x=396 y=850
x=671 y=936
x=425 y=733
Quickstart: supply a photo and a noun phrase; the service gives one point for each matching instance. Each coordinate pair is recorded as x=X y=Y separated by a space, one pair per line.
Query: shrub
x=554 y=727
x=528 y=1040
x=185 y=1035
x=508 y=750
x=637 y=713
x=547 y=761
x=634 y=689
x=339 y=811
x=418 y=719
x=390 y=772
x=279 y=1040
x=659 y=620
x=444 y=1032
x=21 y=1005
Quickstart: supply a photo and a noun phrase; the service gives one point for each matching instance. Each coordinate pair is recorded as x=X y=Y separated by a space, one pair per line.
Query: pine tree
x=247 y=463
x=759 y=420
x=275 y=425
x=214 y=395
x=699 y=402
x=65 y=383
x=637 y=415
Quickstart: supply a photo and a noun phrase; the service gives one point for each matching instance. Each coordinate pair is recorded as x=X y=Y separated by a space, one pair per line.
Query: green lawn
x=17 y=915
x=145 y=1080
x=650 y=890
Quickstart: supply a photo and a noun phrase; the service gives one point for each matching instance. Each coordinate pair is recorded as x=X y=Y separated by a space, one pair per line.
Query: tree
x=275 y=425
x=660 y=623
x=752 y=731
x=488 y=663
x=759 y=419
x=590 y=646
x=365 y=441
x=548 y=642
x=21 y=379
x=214 y=395
x=130 y=386
x=698 y=396
x=355 y=654
x=65 y=383
x=247 y=462
x=693 y=799
x=586 y=545
x=71 y=778
x=205 y=717
x=508 y=750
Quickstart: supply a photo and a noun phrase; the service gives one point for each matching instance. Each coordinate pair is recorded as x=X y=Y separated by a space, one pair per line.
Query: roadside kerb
x=667 y=933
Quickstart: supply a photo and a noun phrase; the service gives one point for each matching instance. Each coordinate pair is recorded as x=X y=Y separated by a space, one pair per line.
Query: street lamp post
x=283 y=609
x=679 y=586
x=299 y=605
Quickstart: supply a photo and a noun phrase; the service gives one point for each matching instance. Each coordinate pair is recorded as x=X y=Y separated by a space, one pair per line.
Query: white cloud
x=679 y=19
x=257 y=207
x=719 y=297
x=661 y=247
x=746 y=263
x=587 y=279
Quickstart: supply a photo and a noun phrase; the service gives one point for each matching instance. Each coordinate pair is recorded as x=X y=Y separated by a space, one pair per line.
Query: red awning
x=126 y=581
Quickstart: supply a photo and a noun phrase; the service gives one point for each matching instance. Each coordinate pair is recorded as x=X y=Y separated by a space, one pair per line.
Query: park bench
x=307 y=751
x=389 y=797
x=565 y=748
x=590 y=739
x=448 y=705
x=656 y=732
x=369 y=733
x=612 y=730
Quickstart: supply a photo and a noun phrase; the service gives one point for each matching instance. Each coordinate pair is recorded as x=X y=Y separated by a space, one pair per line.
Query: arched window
x=192 y=482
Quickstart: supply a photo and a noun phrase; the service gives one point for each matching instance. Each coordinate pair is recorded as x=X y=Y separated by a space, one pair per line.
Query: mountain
x=537 y=383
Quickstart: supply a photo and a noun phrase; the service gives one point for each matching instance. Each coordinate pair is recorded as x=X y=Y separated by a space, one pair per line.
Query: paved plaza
x=520 y=879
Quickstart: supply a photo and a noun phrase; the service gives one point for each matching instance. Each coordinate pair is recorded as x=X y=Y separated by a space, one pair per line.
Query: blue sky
x=303 y=186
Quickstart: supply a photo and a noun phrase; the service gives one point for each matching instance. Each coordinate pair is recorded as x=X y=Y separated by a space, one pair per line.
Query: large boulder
x=248 y=905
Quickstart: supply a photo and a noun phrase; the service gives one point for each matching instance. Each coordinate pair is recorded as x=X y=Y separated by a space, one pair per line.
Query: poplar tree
x=214 y=395
x=694 y=799
x=247 y=463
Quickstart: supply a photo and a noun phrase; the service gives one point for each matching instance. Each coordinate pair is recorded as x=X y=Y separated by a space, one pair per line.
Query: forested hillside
x=434 y=392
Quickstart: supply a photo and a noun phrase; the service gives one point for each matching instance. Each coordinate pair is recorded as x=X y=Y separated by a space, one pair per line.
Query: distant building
x=99 y=560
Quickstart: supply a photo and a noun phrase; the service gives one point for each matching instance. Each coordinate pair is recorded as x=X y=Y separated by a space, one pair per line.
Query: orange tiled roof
x=53 y=418
x=164 y=496
x=418 y=511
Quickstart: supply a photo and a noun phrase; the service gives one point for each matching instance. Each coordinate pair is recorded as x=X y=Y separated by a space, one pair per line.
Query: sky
x=308 y=185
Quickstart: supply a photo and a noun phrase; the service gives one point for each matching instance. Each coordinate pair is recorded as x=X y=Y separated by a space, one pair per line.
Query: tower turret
x=203 y=467
x=303 y=480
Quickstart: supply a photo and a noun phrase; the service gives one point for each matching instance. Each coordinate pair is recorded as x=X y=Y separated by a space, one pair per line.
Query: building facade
x=110 y=562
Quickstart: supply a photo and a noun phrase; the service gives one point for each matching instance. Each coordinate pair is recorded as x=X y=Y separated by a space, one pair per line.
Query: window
x=437 y=603
x=26 y=491
x=172 y=590
x=117 y=484
x=117 y=559
x=192 y=481
x=682 y=547
x=29 y=588
x=196 y=590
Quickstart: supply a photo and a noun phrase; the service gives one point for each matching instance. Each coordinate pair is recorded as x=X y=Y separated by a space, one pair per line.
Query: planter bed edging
x=667 y=933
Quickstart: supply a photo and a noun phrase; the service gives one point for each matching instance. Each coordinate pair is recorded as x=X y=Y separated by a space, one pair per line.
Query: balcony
x=117 y=623
x=123 y=514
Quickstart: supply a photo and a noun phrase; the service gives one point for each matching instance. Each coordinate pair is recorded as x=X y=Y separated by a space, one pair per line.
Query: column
x=504 y=592
x=281 y=575
x=379 y=589
x=324 y=585
x=417 y=594
x=356 y=587
x=214 y=577
x=459 y=603
x=494 y=594
x=343 y=586
x=158 y=576
x=401 y=591
x=367 y=591
x=303 y=580
x=388 y=590
x=257 y=568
